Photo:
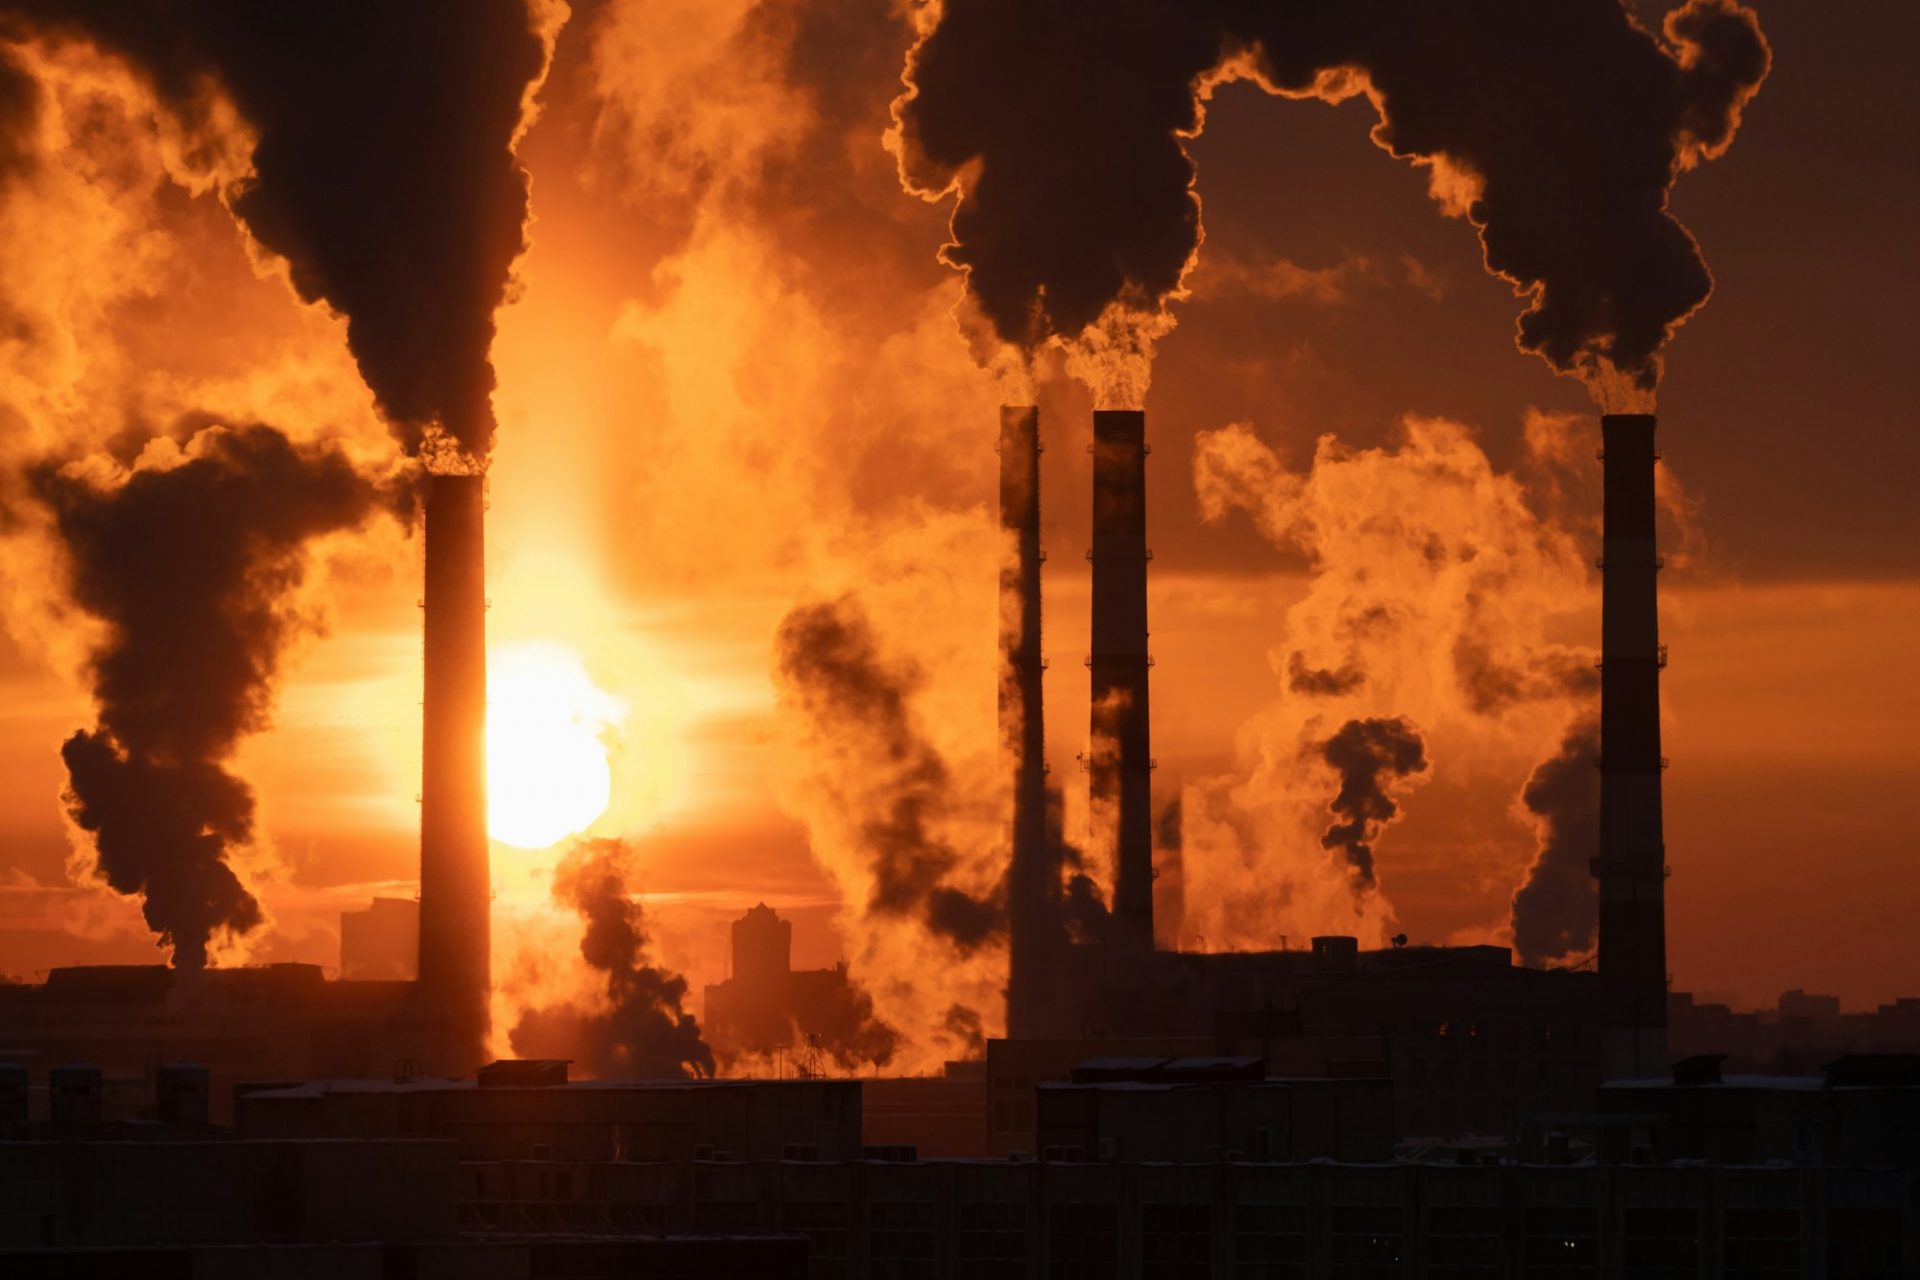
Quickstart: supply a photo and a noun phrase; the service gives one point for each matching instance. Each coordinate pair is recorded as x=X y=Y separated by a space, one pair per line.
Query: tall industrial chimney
x=454 y=882
x=1033 y=884
x=1631 y=867
x=1121 y=781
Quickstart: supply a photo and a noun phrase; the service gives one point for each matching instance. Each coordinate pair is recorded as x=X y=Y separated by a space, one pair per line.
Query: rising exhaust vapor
x=891 y=783
x=382 y=165
x=188 y=559
x=635 y=1024
x=1555 y=911
x=1369 y=756
x=1445 y=614
x=1556 y=129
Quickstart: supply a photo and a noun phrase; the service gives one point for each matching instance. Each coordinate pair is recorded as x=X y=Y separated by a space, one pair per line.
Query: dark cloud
x=19 y=111
x=844 y=1026
x=1492 y=684
x=965 y=1032
x=1368 y=755
x=383 y=170
x=189 y=567
x=1574 y=120
x=1062 y=124
x=1556 y=911
x=642 y=1030
x=832 y=673
x=1322 y=682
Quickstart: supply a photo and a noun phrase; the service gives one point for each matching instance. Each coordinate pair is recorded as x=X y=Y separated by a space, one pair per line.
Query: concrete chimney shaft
x=455 y=933
x=1121 y=778
x=1033 y=886
x=1631 y=867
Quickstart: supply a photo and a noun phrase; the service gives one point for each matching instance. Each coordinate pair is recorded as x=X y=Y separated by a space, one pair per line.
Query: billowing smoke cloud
x=19 y=106
x=847 y=1030
x=892 y=782
x=795 y=325
x=966 y=1032
x=1439 y=590
x=635 y=1026
x=1369 y=756
x=189 y=561
x=382 y=164
x=1556 y=911
x=1557 y=130
x=1060 y=128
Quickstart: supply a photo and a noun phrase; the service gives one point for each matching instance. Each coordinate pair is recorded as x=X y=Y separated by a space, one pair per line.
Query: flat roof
x=439 y=1084
x=1778 y=1084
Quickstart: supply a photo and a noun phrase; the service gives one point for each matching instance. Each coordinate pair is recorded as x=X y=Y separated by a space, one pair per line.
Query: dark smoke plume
x=19 y=109
x=1060 y=123
x=846 y=1029
x=1322 y=682
x=383 y=170
x=964 y=1028
x=643 y=1030
x=831 y=670
x=1368 y=755
x=189 y=567
x=1571 y=120
x=1559 y=126
x=1556 y=911
x=1492 y=684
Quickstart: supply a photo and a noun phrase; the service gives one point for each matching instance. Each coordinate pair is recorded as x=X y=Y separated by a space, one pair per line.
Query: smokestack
x=1631 y=867
x=1031 y=911
x=454 y=890
x=1120 y=785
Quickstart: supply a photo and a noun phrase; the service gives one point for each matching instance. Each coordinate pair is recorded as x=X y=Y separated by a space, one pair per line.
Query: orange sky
x=729 y=383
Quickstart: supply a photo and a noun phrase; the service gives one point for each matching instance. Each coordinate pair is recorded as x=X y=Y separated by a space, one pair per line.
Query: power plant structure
x=1632 y=866
x=1469 y=1038
x=1033 y=880
x=455 y=906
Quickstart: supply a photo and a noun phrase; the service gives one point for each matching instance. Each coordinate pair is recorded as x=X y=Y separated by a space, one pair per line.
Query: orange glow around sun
x=548 y=775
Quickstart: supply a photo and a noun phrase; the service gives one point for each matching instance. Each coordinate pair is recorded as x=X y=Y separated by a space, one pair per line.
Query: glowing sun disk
x=547 y=770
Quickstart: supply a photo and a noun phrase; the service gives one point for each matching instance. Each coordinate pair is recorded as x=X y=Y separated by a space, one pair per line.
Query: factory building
x=1468 y=1038
x=455 y=892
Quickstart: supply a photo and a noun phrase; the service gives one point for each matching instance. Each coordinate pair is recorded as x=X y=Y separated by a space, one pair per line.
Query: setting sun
x=547 y=770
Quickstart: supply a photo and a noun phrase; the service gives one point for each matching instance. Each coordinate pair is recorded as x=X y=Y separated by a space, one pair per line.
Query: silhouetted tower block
x=1033 y=883
x=455 y=933
x=1631 y=867
x=762 y=950
x=1120 y=768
